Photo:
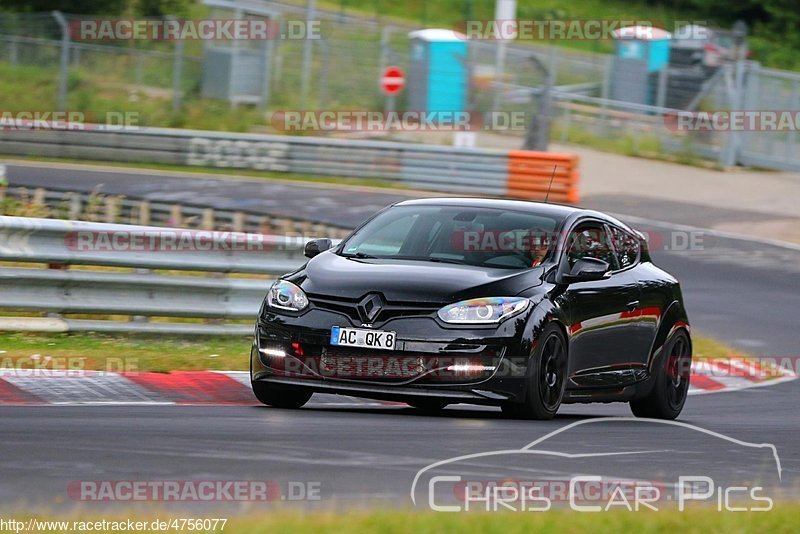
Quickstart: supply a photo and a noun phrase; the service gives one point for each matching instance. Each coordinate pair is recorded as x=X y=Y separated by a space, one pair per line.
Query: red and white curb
x=59 y=387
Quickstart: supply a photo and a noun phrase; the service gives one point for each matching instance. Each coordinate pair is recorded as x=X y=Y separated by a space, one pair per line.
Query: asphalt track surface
x=741 y=291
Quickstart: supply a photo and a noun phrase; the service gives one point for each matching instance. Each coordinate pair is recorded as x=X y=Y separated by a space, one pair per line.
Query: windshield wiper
x=360 y=256
x=431 y=259
x=365 y=256
x=446 y=260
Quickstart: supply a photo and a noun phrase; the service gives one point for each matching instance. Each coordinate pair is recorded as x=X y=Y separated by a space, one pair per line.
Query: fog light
x=274 y=353
x=468 y=368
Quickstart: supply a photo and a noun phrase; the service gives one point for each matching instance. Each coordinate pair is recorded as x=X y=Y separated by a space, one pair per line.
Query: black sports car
x=461 y=300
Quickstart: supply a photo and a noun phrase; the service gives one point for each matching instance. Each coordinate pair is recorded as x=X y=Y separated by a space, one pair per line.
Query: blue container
x=638 y=53
x=438 y=79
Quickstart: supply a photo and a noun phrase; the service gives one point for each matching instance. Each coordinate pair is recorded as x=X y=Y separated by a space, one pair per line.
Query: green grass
x=556 y=522
x=699 y=520
x=90 y=351
x=170 y=353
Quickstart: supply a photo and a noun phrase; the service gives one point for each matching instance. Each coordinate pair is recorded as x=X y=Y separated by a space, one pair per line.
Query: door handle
x=633 y=305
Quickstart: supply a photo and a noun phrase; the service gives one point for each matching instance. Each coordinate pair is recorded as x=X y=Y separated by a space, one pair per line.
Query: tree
x=78 y=7
x=162 y=8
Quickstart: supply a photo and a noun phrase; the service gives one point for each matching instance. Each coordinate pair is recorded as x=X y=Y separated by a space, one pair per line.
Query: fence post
x=269 y=51
x=208 y=219
x=791 y=137
x=661 y=95
x=323 y=78
x=729 y=154
x=537 y=137
x=177 y=75
x=13 y=51
x=64 y=64
x=311 y=10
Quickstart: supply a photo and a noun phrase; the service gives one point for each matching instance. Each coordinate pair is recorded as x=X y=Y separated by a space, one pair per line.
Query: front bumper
x=430 y=360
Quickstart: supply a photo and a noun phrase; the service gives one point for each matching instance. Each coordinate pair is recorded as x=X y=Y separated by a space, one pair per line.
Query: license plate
x=357 y=337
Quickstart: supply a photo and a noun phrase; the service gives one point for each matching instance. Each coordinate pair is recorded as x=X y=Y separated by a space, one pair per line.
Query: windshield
x=483 y=237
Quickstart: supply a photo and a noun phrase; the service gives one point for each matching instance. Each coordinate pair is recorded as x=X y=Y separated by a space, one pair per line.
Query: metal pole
x=311 y=11
x=504 y=10
x=270 y=52
x=729 y=155
x=385 y=58
x=661 y=95
x=63 y=72
x=323 y=82
x=545 y=110
x=177 y=70
x=537 y=137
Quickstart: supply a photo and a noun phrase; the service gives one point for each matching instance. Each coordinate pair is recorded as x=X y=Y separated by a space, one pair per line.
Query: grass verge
x=164 y=354
x=697 y=520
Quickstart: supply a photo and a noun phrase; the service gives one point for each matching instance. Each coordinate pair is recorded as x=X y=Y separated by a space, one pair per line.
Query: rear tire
x=547 y=378
x=280 y=396
x=668 y=396
x=427 y=405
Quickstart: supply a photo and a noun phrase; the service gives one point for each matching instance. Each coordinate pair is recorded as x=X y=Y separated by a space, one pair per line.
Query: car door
x=603 y=314
x=628 y=250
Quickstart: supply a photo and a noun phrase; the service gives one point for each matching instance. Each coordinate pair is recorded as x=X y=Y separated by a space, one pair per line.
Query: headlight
x=483 y=311
x=285 y=295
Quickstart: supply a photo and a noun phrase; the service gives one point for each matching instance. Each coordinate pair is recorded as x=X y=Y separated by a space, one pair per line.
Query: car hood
x=410 y=281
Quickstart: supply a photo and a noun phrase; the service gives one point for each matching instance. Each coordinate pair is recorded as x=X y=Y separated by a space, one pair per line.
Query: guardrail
x=439 y=168
x=101 y=207
x=127 y=276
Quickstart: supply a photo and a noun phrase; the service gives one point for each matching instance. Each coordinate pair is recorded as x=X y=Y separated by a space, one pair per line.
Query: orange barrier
x=529 y=175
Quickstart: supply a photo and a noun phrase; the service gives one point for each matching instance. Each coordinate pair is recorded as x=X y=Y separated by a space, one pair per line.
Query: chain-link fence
x=168 y=82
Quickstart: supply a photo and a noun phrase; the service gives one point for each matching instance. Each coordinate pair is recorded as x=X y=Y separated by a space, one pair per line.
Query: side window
x=590 y=240
x=627 y=247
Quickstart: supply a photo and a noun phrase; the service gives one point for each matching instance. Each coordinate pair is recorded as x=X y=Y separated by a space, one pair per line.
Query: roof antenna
x=549 y=187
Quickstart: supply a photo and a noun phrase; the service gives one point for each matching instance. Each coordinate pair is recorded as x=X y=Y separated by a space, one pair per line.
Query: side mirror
x=316 y=247
x=587 y=270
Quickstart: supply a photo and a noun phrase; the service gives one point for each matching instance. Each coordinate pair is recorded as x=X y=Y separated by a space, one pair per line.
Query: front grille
x=364 y=364
x=391 y=310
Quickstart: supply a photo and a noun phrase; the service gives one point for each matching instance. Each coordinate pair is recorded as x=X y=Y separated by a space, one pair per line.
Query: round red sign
x=393 y=80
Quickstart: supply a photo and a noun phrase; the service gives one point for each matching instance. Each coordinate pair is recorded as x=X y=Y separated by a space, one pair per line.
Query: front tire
x=547 y=378
x=666 y=399
x=280 y=396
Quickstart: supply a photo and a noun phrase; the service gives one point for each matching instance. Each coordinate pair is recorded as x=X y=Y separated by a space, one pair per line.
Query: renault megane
x=521 y=305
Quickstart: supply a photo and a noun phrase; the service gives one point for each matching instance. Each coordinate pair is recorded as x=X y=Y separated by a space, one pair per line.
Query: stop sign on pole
x=393 y=80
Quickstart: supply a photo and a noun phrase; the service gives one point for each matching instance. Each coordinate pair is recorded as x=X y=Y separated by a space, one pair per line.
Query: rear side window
x=627 y=247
